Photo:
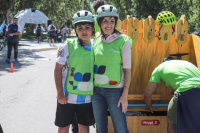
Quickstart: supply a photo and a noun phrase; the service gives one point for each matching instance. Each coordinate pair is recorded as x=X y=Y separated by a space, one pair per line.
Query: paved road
x=30 y=46
x=28 y=96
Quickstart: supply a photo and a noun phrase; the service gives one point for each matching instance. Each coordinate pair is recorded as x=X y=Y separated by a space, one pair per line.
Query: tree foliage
x=143 y=8
x=61 y=11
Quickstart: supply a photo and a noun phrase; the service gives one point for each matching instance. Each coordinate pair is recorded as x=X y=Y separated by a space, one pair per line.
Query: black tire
x=1 y=46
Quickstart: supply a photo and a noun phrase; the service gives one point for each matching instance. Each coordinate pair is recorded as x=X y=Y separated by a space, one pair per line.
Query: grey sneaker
x=8 y=60
x=16 y=59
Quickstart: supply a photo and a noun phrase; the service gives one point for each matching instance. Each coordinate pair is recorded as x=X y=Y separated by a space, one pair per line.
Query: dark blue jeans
x=107 y=98
x=10 y=45
x=188 y=111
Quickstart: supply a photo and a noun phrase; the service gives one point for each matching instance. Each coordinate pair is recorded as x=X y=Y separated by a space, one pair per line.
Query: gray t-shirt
x=65 y=31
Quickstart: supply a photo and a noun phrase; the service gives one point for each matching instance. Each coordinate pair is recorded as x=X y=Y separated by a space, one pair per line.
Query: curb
x=32 y=50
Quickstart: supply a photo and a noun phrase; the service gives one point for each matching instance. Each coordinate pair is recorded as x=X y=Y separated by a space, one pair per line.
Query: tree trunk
x=82 y=4
x=8 y=16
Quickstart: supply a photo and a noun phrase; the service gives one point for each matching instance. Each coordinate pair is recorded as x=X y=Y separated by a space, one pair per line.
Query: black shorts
x=38 y=35
x=52 y=37
x=74 y=113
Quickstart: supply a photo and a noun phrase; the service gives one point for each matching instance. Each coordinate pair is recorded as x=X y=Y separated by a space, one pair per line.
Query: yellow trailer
x=150 y=45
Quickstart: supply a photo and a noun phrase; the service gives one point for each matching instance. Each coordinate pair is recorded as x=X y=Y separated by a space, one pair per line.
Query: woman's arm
x=123 y=101
x=126 y=66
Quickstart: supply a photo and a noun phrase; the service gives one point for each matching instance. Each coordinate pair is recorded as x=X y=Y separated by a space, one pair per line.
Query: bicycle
x=3 y=43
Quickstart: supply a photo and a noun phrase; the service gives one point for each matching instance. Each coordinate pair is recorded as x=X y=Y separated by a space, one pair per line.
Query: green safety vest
x=80 y=73
x=108 y=59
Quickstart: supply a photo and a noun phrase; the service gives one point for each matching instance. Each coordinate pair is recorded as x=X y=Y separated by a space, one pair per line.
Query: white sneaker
x=50 y=44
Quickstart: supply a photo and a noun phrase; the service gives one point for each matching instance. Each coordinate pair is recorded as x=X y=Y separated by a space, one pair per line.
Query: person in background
x=64 y=33
x=69 y=33
x=38 y=32
x=59 y=37
x=1 y=130
x=52 y=33
x=4 y=30
x=42 y=33
x=13 y=30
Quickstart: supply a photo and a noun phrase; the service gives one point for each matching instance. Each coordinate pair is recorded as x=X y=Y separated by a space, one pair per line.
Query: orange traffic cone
x=11 y=68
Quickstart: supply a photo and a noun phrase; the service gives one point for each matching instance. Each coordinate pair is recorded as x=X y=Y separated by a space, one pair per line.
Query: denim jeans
x=10 y=45
x=107 y=98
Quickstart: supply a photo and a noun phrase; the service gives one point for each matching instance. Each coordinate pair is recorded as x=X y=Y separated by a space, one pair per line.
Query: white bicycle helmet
x=107 y=10
x=82 y=16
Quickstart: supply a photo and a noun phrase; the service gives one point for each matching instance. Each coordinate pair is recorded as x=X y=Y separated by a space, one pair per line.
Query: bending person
x=181 y=76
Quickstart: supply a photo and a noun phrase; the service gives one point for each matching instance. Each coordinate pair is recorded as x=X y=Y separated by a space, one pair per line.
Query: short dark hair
x=84 y=23
x=168 y=59
x=98 y=3
x=15 y=18
x=99 y=20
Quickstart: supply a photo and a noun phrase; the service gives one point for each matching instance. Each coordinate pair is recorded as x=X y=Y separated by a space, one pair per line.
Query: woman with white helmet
x=112 y=68
x=74 y=97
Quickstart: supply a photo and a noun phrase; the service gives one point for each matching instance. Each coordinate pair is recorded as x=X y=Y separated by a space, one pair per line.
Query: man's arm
x=62 y=99
x=16 y=33
x=53 y=29
x=151 y=88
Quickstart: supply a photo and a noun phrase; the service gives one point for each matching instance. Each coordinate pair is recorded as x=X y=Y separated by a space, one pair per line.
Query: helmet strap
x=76 y=33
x=80 y=42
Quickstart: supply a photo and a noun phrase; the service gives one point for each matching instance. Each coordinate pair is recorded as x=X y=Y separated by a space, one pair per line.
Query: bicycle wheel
x=1 y=46
x=4 y=42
